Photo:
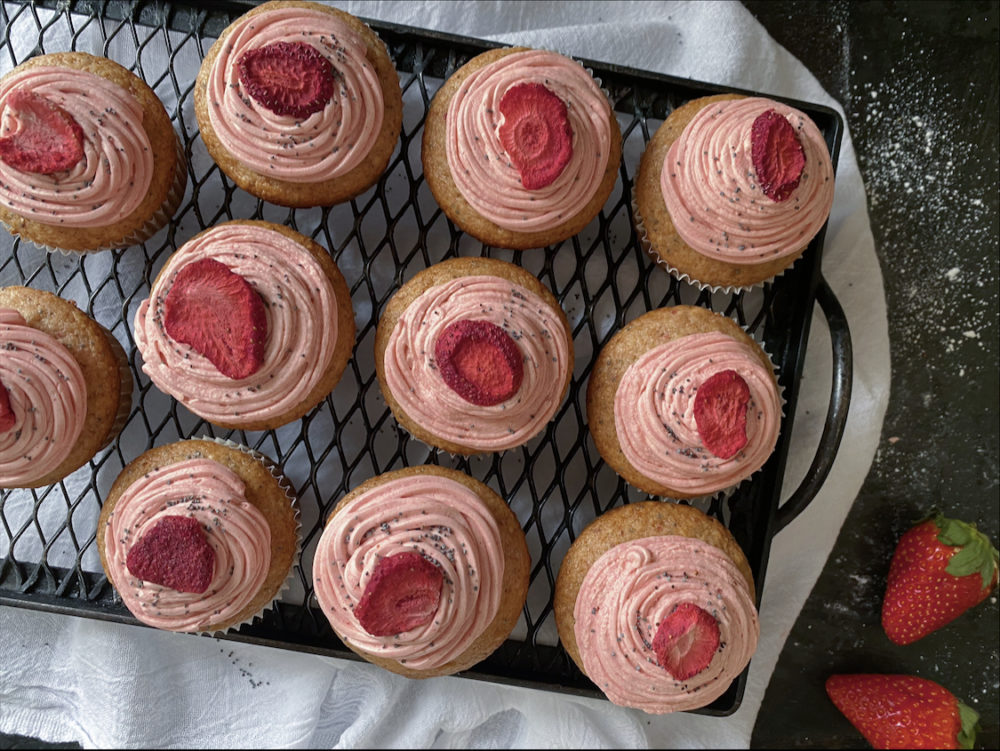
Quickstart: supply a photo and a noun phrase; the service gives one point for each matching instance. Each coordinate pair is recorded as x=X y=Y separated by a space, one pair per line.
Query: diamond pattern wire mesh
x=556 y=484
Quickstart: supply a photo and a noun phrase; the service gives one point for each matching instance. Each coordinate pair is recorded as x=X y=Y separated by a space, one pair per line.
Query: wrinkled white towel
x=105 y=685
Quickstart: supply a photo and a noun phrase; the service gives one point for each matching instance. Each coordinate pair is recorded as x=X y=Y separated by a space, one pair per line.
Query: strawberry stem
x=975 y=555
x=970 y=724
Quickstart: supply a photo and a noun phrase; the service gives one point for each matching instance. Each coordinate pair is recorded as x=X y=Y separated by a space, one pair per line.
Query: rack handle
x=836 y=415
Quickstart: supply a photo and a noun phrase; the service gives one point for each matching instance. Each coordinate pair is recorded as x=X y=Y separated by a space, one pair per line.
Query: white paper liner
x=286 y=487
x=728 y=491
x=154 y=224
x=681 y=276
x=124 y=389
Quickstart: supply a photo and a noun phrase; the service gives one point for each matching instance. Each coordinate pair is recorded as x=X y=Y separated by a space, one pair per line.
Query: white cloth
x=106 y=685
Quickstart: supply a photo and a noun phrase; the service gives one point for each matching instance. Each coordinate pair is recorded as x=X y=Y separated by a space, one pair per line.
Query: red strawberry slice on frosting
x=48 y=140
x=219 y=315
x=288 y=78
x=404 y=592
x=7 y=416
x=777 y=155
x=536 y=133
x=720 y=412
x=174 y=553
x=686 y=641
x=479 y=361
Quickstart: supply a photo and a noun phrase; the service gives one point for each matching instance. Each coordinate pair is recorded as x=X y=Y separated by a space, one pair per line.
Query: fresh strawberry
x=720 y=412
x=686 y=641
x=219 y=315
x=48 y=139
x=479 y=361
x=288 y=78
x=903 y=711
x=174 y=553
x=777 y=155
x=940 y=568
x=7 y=417
x=535 y=133
x=404 y=592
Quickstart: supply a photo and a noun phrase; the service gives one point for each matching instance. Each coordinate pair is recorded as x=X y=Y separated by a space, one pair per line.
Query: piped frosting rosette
x=237 y=533
x=657 y=425
x=635 y=588
x=113 y=175
x=718 y=198
x=525 y=323
x=46 y=401
x=314 y=147
x=482 y=168
x=301 y=316
x=449 y=528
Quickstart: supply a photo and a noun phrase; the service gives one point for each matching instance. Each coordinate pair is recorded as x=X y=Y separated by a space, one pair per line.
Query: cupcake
x=473 y=355
x=65 y=388
x=422 y=571
x=683 y=403
x=198 y=535
x=521 y=148
x=88 y=157
x=654 y=602
x=249 y=325
x=732 y=189
x=299 y=104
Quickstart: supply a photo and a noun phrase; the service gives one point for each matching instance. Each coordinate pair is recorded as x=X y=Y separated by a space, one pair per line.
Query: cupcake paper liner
x=124 y=390
x=682 y=276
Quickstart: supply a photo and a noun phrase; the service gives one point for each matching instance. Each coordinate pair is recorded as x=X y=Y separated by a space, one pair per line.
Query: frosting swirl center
x=448 y=525
x=114 y=175
x=655 y=413
x=480 y=165
x=48 y=400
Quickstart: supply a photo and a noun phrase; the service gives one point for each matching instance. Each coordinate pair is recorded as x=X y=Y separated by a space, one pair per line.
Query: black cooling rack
x=556 y=484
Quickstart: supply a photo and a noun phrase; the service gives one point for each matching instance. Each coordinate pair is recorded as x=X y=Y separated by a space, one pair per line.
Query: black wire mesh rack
x=556 y=484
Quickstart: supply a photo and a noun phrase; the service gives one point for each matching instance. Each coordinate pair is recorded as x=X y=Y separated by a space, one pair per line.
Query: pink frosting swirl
x=301 y=327
x=710 y=186
x=654 y=413
x=48 y=396
x=114 y=175
x=238 y=533
x=630 y=590
x=443 y=521
x=326 y=144
x=479 y=164
x=413 y=378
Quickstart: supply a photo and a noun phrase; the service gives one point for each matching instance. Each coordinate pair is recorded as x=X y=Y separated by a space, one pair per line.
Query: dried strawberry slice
x=7 y=416
x=288 y=78
x=404 y=592
x=686 y=641
x=720 y=412
x=219 y=315
x=479 y=361
x=535 y=133
x=48 y=139
x=778 y=157
x=174 y=553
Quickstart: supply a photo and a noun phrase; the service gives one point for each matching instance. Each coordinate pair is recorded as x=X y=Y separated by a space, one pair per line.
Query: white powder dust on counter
x=933 y=225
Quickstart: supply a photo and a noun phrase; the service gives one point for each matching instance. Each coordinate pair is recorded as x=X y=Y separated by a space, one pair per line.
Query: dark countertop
x=919 y=84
